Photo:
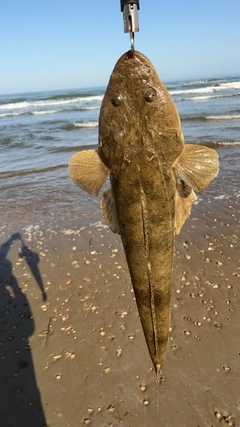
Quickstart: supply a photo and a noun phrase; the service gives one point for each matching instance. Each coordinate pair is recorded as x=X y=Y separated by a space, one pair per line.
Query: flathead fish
x=153 y=175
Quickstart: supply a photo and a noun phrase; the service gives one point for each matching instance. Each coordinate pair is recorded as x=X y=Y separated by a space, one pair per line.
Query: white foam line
x=222 y=197
x=226 y=117
x=10 y=114
x=208 y=89
x=86 y=125
x=45 y=112
x=13 y=106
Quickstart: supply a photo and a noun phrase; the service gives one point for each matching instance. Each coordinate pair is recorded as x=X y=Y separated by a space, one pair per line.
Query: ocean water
x=40 y=131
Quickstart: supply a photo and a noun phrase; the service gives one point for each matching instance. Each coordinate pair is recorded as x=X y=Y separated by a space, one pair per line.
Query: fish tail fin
x=158 y=377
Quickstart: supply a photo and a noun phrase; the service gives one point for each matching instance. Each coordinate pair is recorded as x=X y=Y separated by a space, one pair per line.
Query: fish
x=153 y=177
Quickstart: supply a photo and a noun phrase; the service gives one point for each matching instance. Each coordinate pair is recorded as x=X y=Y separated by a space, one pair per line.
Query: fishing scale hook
x=130 y=19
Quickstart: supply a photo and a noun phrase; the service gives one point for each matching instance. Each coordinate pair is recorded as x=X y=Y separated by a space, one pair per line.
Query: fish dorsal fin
x=88 y=171
x=184 y=199
x=197 y=166
x=109 y=211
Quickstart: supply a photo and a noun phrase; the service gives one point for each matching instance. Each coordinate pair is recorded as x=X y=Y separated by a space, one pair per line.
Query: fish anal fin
x=197 y=165
x=88 y=171
x=184 y=199
x=109 y=211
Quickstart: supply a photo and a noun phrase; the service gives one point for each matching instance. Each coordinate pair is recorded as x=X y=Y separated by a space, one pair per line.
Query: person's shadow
x=20 y=401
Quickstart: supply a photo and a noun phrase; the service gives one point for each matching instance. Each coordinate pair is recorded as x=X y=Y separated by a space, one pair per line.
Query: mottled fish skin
x=139 y=159
x=141 y=147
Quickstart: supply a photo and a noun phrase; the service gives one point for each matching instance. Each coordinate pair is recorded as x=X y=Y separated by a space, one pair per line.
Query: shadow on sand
x=20 y=401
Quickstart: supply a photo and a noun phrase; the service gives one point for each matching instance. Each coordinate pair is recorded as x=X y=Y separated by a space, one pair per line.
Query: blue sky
x=56 y=44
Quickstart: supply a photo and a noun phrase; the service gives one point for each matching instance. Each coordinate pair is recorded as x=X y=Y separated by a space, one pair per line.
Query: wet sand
x=72 y=350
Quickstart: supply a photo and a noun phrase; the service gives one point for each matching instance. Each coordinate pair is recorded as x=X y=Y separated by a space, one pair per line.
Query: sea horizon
x=103 y=87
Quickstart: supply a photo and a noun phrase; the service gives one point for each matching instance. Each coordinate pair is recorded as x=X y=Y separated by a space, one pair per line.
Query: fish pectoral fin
x=184 y=199
x=109 y=211
x=197 y=166
x=88 y=171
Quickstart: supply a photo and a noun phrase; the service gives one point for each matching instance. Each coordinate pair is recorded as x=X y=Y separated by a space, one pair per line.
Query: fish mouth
x=133 y=56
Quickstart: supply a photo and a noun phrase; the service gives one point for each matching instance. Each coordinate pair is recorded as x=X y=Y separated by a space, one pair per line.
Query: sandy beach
x=72 y=350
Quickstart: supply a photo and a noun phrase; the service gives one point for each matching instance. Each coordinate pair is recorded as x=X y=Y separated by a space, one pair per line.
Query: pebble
x=146 y=402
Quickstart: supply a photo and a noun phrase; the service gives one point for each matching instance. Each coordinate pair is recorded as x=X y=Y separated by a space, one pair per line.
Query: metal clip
x=130 y=18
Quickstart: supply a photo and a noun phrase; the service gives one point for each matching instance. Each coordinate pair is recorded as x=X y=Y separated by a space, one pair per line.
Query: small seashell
x=58 y=376
x=57 y=357
x=218 y=415
x=131 y=337
x=110 y=408
x=226 y=368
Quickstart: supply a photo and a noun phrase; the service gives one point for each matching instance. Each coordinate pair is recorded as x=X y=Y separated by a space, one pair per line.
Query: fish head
x=138 y=113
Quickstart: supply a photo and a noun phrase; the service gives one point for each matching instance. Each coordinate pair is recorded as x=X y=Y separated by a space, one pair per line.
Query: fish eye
x=116 y=100
x=150 y=94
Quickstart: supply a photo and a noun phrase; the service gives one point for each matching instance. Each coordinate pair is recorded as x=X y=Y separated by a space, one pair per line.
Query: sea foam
x=208 y=89
x=226 y=117
x=86 y=125
x=47 y=103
